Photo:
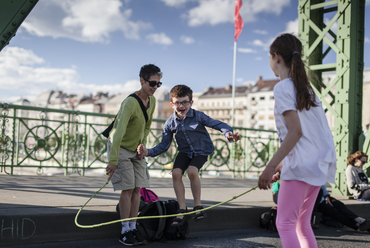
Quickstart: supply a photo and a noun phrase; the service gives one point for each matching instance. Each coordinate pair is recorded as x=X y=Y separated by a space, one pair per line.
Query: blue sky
x=85 y=46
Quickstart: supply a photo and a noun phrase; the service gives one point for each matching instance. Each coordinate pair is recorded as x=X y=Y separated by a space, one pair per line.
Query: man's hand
x=142 y=151
x=233 y=137
x=110 y=170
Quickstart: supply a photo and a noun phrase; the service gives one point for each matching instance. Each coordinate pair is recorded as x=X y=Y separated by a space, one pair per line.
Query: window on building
x=240 y=123
x=253 y=98
x=271 y=97
x=271 y=117
x=261 y=127
x=262 y=98
x=261 y=117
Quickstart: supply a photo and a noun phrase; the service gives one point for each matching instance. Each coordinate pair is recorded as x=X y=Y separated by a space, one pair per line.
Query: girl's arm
x=291 y=139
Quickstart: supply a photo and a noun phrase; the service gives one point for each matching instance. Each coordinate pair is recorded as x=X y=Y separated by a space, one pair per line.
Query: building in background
x=217 y=103
x=253 y=105
x=261 y=104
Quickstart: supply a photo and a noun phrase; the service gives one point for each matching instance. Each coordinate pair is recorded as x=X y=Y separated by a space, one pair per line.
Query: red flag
x=238 y=19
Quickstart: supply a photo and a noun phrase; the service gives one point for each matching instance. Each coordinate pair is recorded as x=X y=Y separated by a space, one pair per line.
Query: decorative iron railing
x=43 y=138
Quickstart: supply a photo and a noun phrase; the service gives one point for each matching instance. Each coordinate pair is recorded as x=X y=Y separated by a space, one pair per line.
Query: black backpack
x=174 y=232
x=268 y=220
x=152 y=229
x=160 y=228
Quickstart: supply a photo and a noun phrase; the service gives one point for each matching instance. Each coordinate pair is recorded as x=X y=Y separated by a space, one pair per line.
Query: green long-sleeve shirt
x=129 y=129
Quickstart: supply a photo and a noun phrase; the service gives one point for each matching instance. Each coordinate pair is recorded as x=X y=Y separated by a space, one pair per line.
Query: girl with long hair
x=306 y=158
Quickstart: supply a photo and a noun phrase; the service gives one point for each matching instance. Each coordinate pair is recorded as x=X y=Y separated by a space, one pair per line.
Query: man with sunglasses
x=126 y=170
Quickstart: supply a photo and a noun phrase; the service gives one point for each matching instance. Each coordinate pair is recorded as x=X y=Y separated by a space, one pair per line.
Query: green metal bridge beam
x=343 y=97
x=12 y=14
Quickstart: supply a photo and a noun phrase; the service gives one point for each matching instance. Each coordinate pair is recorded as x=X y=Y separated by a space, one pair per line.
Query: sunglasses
x=154 y=83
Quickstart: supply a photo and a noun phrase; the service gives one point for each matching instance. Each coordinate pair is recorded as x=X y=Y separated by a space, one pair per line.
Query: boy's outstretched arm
x=233 y=137
x=142 y=151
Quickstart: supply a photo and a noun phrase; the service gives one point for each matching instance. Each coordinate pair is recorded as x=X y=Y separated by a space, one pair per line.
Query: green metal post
x=346 y=89
x=12 y=14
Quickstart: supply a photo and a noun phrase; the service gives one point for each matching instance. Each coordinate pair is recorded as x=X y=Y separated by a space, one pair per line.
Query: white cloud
x=215 y=12
x=187 y=40
x=211 y=12
x=246 y=50
x=248 y=83
x=292 y=27
x=175 y=3
x=131 y=86
x=160 y=38
x=257 y=31
x=239 y=80
x=82 y=20
x=367 y=40
x=259 y=43
x=23 y=73
x=258 y=58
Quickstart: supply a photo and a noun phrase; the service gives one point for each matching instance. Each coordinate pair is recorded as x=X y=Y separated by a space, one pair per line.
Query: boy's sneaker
x=140 y=239
x=128 y=239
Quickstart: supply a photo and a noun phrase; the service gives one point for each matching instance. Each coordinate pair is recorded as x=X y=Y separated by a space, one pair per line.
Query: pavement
x=42 y=209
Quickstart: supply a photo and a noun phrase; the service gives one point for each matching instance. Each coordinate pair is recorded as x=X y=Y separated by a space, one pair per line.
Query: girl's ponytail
x=290 y=49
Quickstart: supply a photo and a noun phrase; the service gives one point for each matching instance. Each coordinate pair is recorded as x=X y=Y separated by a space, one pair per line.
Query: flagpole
x=233 y=88
x=238 y=29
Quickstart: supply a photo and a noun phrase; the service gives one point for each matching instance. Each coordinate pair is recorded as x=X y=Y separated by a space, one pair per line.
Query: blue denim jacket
x=190 y=133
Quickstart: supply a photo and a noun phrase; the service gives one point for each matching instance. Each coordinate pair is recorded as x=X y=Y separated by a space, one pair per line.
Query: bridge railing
x=43 y=138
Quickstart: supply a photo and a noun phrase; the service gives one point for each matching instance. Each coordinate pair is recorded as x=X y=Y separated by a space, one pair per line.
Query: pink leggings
x=295 y=204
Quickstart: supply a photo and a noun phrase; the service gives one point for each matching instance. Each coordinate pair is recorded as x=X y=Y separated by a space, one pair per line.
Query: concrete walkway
x=39 y=209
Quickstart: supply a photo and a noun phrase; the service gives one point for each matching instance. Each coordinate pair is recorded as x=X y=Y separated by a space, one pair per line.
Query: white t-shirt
x=313 y=158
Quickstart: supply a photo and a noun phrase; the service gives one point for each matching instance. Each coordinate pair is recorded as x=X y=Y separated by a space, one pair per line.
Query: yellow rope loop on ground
x=150 y=217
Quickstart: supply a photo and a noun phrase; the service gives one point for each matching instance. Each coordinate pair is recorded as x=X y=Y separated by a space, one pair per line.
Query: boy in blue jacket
x=194 y=145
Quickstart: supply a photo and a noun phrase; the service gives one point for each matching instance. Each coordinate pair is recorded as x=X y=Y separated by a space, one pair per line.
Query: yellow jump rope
x=150 y=217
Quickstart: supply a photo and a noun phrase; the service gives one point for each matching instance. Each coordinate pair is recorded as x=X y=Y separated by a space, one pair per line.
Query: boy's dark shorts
x=182 y=161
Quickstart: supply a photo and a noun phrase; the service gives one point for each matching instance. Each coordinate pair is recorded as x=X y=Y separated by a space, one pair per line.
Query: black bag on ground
x=152 y=229
x=174 y=232
x=141 y=206
x=268 y=220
